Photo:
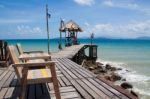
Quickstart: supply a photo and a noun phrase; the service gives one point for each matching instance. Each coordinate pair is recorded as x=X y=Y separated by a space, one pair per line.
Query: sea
x=130 y=54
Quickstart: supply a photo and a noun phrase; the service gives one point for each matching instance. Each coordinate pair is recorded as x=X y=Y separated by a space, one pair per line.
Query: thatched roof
x=71 y=26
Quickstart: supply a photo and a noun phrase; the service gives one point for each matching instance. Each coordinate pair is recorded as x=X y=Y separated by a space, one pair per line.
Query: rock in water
x=108 y=66
x=107 y=78
x=91 y=68
x=126 y=85
x=96 y=72
x=119 y=68
x=115 y=77
x=113 y=68
x=99 y=64
x=123 y=79
x=102 y=70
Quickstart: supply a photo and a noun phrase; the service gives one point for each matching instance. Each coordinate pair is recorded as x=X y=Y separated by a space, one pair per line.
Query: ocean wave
x=141 y=83
x=116 y=64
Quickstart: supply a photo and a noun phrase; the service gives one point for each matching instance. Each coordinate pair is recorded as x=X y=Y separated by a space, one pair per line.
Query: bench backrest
x=19 y=48
x=15 y=60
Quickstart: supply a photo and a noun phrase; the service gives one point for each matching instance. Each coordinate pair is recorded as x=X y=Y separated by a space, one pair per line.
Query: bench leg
x=55 y=82
x=24 y=84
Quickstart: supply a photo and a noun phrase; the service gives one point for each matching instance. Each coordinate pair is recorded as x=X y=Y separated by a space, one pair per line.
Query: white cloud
x=130 y=30
x=108 y=3
x=85 y=2
x=24 y=29
x=126 y=5
x=86 y=24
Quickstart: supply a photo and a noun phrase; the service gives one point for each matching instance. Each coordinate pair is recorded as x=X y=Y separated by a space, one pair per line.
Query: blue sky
x=22 y=19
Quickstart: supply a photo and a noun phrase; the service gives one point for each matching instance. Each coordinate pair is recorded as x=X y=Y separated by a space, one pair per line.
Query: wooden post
x=76 y=38
x=65 y=39
x=5 y=50
x=60 y=41
x=92 y=36
x=47 y=16
x=1 y=49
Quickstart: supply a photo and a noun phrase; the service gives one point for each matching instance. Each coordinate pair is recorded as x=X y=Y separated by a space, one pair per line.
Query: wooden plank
x=88 y=89
x=63 y=71
x=68 y=71
x=9 y=80
x=64 y=89
x=85 y=71
x=67 y=95
x=62 y=84
x=105 y=91
x=68 y=52
x=72 y=73
x=66 y=81
x=111 y=89
x=67 y=65
x=4 y=73
x=3 y=92
x=95 y=89
x=1 y=72
x=79 y=72
x=5 y=78
x=66 y=92
x=75 y=65
x=81 y=90
x=9 y=93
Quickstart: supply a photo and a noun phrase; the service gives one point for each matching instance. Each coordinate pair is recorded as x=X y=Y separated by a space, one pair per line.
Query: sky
x=26 y=19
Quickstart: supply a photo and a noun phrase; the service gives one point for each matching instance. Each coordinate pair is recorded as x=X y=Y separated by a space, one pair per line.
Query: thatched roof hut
x=71 y=26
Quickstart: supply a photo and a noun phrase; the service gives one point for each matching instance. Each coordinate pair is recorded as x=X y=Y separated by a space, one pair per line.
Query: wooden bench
x=27 y=75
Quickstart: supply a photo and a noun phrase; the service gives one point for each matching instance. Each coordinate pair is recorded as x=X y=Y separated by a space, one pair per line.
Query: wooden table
x=33 y=56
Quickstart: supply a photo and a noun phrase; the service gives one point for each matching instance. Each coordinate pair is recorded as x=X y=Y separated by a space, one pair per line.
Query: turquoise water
x=133 y=55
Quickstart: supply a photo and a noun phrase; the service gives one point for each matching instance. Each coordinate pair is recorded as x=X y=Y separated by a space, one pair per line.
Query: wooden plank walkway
x=75 y=83
x=68 y=52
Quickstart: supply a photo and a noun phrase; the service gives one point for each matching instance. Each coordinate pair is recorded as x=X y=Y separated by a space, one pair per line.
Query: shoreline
x=109 y=72
x=132 y=77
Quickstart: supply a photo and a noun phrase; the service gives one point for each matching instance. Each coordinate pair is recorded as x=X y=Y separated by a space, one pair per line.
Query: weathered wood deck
x=76 y=82
x=68 y=52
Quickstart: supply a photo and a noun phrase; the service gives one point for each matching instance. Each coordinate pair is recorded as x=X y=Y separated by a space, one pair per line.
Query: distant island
x=113 y=38
x=144 y=38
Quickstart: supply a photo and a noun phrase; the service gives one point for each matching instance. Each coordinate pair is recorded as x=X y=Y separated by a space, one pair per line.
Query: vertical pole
x=47 y=15
x=60 y=47
x=92 y=36
x=65 y=38
x=76 y=38
x=60 y=42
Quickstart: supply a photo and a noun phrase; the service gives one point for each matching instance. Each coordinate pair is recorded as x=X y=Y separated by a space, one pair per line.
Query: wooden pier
x=68 y=52
x=76 y=82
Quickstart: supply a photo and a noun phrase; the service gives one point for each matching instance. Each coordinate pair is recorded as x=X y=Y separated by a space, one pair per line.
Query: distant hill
x=144 y=38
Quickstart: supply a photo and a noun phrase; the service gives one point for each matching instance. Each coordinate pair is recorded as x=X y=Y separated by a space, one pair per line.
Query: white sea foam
x=116 y=64
x=141 y=83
